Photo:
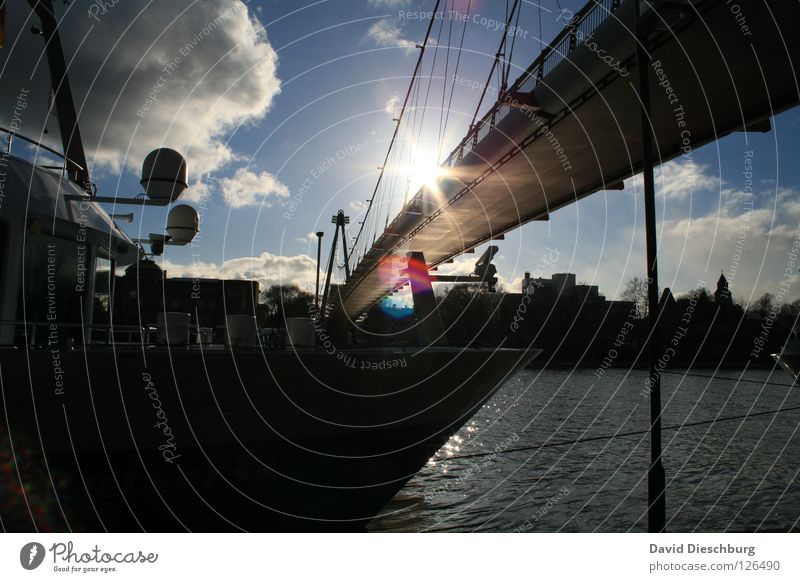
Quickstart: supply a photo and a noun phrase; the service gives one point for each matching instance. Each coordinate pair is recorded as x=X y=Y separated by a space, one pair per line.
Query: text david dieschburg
x=698 y=549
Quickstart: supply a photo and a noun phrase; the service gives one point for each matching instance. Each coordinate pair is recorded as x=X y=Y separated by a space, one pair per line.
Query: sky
x=284 y=110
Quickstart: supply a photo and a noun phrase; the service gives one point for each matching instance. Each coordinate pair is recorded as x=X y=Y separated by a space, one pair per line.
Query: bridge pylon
x=430 y=329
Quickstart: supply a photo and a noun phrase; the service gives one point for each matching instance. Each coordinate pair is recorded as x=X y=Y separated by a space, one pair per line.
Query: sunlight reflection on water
x=739 y=475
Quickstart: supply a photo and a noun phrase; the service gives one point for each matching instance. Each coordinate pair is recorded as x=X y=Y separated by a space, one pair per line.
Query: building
x=722 y=296
x=562 y=288
x=572 y=321
x=145 y=291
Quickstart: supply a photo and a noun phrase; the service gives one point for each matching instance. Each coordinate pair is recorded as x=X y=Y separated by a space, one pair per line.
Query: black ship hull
x=215 y=440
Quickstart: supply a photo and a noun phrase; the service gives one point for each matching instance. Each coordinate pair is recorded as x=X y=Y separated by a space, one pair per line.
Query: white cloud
x=197 y=191
x=749 y=237
x=267 y=269
x=465 y=265
x=461 y=265
x=311 y=236
x=679 y=179
x=180 y=74
x=736 y=239
x=386 y=34
x=392 y=106
x=247 y=188
x=359 y=205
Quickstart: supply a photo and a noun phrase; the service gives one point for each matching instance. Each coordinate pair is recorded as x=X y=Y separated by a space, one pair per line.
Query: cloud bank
x=266 y=268
x=181 y=74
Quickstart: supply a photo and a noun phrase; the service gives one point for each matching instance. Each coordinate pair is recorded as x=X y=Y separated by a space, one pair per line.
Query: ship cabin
x=71 y=277
x=57 y=257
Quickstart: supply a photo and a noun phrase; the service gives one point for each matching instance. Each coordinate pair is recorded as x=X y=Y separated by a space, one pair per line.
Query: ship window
x=52 y=288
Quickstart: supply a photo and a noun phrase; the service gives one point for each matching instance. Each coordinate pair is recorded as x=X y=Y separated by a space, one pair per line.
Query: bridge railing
x=579 y=27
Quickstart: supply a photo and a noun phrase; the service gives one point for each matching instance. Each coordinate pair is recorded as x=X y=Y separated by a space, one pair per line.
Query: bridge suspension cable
x=507 y=69
x=399 y=120
x=417 y=132
x=380 y=204
x=494 y=64
x=443 y=130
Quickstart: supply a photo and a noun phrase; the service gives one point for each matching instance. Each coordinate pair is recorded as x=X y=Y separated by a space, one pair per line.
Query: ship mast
x=63 y=102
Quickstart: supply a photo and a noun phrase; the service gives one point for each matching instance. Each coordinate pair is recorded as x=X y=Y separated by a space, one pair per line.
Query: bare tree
x=636 y=292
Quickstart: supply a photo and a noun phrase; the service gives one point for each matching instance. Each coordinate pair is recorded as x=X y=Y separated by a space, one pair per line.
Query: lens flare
x=426 y=174
x=396 y=308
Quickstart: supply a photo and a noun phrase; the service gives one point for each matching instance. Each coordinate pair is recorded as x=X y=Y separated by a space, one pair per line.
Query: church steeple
x=722 y=296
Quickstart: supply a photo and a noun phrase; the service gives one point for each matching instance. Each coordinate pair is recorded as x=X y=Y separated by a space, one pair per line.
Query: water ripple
x=739 y=475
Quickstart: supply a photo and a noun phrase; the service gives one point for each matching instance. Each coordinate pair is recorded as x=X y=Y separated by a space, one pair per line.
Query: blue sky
x=284 y=109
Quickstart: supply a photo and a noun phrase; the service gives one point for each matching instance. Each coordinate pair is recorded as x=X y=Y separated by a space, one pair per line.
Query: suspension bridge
x=570 y=126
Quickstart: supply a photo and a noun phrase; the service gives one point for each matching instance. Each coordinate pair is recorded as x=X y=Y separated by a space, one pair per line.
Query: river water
x=730 y=475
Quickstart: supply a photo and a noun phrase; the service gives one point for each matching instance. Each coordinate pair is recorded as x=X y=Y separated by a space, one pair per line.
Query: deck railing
x=64 y=168
x=35 y=333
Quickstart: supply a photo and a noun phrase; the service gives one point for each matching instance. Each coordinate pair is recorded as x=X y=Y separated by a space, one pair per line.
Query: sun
x=425 y=173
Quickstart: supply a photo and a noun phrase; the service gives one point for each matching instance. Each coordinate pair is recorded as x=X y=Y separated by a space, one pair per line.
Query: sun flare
x=424 y=173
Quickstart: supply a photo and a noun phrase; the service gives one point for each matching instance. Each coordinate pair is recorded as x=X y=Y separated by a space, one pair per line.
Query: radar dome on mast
x=182 y=224
x=164 y=175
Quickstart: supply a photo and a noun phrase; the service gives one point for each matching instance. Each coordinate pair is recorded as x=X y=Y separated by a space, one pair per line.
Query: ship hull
x=216 y=440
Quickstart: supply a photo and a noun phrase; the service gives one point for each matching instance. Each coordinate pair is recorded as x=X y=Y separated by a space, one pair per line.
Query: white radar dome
x=164 y=175
x=182 y=224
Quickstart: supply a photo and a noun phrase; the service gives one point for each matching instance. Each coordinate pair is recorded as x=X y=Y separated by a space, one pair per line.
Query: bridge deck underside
x=723 y=79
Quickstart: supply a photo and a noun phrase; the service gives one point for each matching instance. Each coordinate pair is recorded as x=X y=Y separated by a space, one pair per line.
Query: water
x=739 y=475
